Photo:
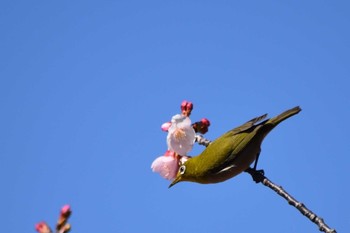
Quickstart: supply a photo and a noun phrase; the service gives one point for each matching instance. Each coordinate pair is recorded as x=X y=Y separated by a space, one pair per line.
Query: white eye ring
x=182 y=169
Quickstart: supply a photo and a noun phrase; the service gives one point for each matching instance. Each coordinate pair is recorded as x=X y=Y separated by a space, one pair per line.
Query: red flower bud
x=205 y=122
x=203 y=130
x=186 y=108
x=166 y=126
x=65 y=210
x=186 y=105
x=42 y=227
x=201 y=126
x=66 y=228
x=170 y=153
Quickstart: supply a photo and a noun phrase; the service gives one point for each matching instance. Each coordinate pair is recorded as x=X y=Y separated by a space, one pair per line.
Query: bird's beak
x=177 y=180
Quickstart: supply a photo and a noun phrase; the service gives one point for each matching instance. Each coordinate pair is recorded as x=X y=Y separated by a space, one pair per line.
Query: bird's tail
x=283 y=116
x=271 y=123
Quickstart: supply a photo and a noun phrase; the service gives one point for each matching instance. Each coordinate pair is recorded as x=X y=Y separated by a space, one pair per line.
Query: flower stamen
x=179 y=134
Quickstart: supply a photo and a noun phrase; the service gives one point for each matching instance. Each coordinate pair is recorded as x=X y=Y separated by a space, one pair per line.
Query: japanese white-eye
x=231 y=153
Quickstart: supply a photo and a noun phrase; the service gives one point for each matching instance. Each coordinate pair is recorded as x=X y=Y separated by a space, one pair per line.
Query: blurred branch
x=62 y=225
x=259 y=177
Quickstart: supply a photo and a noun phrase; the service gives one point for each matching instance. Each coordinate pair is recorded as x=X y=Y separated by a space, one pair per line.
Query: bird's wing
x=247 y=125
x=240 y=136
x=233 y=142
x=225 y=169
x=229 y=161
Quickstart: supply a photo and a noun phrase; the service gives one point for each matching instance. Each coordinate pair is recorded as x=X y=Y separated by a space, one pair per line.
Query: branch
x=201 y=140
x=62 y=225
x=259 y=177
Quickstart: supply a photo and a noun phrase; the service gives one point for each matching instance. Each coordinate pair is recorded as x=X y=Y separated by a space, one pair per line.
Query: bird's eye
x=182 y=169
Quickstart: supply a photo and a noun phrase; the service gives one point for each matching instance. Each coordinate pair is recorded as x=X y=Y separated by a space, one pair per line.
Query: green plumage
x=231 y=153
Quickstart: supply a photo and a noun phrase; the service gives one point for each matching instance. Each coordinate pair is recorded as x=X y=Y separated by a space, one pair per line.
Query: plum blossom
x=180 y=140
x=181 y=135
x=166 y=165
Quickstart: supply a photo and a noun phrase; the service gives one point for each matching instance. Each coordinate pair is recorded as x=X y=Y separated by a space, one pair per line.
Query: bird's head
x=185 y=173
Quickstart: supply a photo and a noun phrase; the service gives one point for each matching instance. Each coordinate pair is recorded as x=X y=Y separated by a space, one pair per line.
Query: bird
x=231 y=153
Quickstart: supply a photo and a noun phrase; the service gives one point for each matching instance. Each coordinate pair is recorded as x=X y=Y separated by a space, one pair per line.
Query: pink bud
x=166 y=126
x=41 y=227
x=205 y=122
x=186 y=105
x=65 y=210
x=202 y=126
x=170 y=153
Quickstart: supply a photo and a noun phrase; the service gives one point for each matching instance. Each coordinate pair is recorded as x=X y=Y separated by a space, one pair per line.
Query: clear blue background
x=85 y=86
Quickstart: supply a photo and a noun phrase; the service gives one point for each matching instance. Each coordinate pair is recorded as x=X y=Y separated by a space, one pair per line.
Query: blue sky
x=85 y=86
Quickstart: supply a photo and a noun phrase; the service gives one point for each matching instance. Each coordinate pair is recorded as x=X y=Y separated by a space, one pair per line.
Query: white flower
x=181 y=135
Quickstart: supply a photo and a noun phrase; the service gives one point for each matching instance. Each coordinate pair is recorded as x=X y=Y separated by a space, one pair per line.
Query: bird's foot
x=257 y=175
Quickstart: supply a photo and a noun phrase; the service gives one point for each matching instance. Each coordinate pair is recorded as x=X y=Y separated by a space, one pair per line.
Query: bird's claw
x=257 y=175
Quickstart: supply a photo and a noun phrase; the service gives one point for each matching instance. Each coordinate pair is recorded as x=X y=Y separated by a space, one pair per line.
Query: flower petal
x=166 y=126
x=181 y=135
x=166 y=166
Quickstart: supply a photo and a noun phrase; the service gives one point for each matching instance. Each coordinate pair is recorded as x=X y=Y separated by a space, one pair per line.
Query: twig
x=259 y=177
x=62 y=225
x=201 y=140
